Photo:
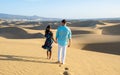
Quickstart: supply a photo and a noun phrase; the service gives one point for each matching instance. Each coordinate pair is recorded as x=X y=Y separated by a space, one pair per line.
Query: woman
x=49 y=41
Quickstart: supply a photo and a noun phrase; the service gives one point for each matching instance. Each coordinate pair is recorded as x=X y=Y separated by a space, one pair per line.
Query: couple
x=63 y=38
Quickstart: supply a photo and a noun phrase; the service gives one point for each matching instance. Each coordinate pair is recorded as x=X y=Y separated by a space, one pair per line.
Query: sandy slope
x=91 y=53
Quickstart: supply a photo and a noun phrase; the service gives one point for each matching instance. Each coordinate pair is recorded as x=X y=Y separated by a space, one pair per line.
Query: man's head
x=63 y=22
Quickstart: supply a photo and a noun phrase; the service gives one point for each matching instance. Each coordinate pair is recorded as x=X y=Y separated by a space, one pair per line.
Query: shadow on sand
x=23 y=59
x=111 y=48
x=78 y=32
x=111 y=30
x=18 y=33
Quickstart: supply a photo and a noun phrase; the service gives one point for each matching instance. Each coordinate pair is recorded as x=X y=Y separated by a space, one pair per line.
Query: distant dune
x=86 y=23
x=17 y=33
x=112 y=21
x=78 y=32
x=42 y=27
x=110 y=47
x=111 y=30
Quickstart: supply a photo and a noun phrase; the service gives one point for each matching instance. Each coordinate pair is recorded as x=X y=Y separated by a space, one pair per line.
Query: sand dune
x=91 y=52
x=112 y=21
x=111 y=47
x=75 y=32
x=42 y=27
x=85 y=23
x=17 y=33
x=111 y=30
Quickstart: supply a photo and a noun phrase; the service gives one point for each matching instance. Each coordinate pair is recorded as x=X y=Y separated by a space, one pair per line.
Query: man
x=63 y=37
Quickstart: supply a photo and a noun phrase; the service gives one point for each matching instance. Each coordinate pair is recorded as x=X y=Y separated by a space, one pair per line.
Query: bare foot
x=61 y=64
x=50 y=58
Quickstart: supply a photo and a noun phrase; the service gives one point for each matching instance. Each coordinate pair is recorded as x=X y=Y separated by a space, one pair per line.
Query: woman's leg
x=50 y=54
x=47 y=54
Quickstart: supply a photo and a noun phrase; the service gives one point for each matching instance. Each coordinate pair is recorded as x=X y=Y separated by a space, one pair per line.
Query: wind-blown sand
x=92 y=52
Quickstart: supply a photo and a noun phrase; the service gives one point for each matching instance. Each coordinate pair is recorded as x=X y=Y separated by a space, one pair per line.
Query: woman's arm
x=53 y=38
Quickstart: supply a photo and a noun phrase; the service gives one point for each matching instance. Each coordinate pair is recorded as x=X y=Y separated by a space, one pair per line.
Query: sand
x=92 y=52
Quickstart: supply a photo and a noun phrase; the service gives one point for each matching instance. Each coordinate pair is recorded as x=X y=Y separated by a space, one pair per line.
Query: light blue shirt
x=63 y=34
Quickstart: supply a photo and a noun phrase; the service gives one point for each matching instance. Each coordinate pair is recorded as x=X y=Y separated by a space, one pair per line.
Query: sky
x=68 y=9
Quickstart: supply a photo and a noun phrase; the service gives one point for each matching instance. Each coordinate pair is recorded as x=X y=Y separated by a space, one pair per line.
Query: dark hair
x=47 y=30
x=64 y=21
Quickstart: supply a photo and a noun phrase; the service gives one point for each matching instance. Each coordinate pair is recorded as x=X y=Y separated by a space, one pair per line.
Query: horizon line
x=59 y=17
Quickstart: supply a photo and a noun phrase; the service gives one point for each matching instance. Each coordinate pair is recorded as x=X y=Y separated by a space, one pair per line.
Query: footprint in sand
x=66 y=72
x=66 y=68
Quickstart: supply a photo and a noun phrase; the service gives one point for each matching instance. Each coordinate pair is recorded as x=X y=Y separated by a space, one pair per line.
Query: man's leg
x=59 y=53
x=63 y=54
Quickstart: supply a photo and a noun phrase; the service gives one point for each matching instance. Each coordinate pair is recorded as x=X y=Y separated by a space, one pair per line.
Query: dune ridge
x=18 y=33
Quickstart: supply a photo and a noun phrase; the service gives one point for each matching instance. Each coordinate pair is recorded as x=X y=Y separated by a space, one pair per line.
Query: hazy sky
x=62 y=8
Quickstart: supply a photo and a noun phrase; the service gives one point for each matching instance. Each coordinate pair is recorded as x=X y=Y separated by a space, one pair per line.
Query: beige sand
x=91 y=53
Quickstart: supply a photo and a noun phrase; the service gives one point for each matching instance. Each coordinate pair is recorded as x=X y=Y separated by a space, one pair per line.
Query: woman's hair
x=47 y=29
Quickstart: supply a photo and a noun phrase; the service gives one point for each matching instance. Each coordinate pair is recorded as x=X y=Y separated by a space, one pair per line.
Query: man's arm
x=70 y=38
x=69 y=42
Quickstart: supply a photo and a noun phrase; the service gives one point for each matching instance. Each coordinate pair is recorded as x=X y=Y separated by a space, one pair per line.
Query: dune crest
x=111 y=30
x=17 y=33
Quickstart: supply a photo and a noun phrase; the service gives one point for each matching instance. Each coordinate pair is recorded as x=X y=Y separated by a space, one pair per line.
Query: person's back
x=63 y=35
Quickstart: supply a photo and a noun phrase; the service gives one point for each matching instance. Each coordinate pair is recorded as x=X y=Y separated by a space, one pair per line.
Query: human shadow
x=18 y=33
x=23 y=59
x=110 y=48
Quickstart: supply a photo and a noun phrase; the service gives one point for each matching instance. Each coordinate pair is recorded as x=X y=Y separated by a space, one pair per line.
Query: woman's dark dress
x=49 y=41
